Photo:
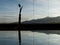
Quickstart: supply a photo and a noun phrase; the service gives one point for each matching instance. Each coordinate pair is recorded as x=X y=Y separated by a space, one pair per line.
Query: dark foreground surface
x=40 y=26
x=8 y=26
x=29 y=26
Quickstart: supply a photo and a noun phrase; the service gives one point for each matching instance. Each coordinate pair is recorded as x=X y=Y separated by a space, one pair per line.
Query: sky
x=8 y=11
x=40 y=9
x=32 y=9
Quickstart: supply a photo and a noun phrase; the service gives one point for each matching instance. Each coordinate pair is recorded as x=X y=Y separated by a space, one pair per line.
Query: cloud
x=38 y=0
x=8 y=11
x=54 y=8
x=40 y=8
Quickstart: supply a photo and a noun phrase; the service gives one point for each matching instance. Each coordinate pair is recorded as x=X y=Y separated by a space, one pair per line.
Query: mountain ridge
x=44 y=20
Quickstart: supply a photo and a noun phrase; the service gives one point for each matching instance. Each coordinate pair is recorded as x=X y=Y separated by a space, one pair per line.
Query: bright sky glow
x=42 y=8
x=9 y=9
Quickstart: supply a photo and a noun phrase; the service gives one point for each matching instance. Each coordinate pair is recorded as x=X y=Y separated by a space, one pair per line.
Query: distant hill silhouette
x=48 y=31
x=45 y=20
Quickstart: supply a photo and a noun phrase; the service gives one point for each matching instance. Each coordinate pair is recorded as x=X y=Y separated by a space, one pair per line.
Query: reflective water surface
x=47 y=37
x=8 y=38
x=40 y=37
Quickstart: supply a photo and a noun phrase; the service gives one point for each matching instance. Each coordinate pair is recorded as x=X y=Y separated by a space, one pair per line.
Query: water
x=8 y=38
x=46 y=37
x=40 y=37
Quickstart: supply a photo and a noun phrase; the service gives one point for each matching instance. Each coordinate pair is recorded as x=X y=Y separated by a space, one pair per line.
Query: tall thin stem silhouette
x=19 y=31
